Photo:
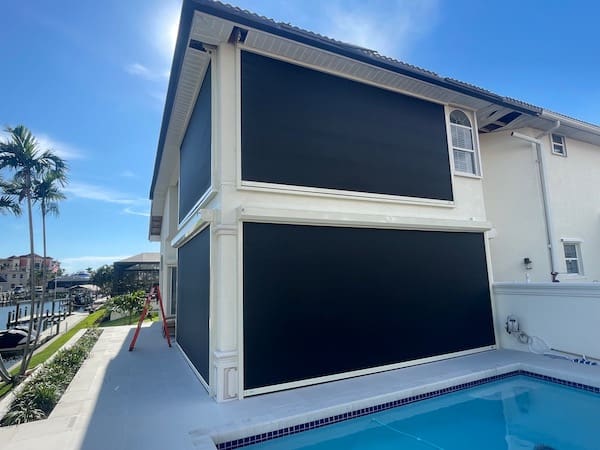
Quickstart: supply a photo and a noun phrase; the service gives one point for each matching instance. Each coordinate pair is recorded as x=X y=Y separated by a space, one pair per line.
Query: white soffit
x=192 y=73
x=210 y=29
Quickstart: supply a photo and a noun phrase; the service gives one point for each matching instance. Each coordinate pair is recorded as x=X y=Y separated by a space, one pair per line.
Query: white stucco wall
x=514 y=205
x=564 y=315
x=575 y=191
x=168 y=254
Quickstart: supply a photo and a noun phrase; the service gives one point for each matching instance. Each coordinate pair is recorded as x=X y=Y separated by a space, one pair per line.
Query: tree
x=47 y=193
x=129 y=304
x=103 y=277
x=21 y=153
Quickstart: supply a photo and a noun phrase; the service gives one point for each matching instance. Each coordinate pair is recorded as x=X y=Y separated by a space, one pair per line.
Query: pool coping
x=402 y=401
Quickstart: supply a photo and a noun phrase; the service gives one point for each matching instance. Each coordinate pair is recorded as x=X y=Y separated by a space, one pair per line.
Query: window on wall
x=558 y=145
x=463 y=143
x=573 y=258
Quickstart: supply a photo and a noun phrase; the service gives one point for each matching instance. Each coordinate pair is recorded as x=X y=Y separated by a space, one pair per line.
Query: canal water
x=5 y=310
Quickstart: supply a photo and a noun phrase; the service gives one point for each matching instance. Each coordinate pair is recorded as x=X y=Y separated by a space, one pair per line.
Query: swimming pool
x=515 y=413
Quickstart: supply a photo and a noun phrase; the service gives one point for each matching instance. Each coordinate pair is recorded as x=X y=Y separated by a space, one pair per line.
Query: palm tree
x=47 y=193
x=21 y=153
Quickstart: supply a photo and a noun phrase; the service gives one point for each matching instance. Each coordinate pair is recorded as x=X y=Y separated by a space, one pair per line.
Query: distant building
x=68 y=281
x=16 y=270
x=136 y=272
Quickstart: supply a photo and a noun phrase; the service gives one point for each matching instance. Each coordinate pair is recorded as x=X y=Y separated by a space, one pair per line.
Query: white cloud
x=100 y=193
x=59 y=148
x=128 y=174
x=65 y=151
x=133 y=212
x=391 y=29
x=77 y=263
x=145 y=72
x=132 y=205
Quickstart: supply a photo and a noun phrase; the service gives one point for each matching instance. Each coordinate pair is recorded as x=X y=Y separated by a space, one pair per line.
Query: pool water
x=517 y=413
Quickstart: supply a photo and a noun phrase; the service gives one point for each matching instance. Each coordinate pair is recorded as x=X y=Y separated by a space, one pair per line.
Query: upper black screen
x=306 y=128
x=194 y=165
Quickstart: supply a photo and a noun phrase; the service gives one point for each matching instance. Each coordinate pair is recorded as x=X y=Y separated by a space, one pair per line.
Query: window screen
x=325 y=300
x=195 y=157
x=306 y=128
x=193 y=300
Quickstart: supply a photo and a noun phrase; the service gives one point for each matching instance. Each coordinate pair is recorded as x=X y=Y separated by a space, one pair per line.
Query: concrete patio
x=151 y=399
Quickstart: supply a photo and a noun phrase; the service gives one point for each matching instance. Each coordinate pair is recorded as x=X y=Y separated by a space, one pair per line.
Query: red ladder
x=145 y=312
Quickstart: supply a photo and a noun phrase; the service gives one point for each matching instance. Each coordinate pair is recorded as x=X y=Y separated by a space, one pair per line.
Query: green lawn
x=61 y=340
x=56 y=343
x=125 y=321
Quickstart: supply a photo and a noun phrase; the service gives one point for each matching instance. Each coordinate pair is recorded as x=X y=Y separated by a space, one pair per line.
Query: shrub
x=26 y=412
x=40 y=395
x=129 y=304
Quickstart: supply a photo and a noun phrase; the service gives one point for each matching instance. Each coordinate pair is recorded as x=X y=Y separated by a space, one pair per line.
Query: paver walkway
x=143 y=399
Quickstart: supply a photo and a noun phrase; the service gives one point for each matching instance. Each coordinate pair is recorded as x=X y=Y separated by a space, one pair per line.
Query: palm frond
x=8 y=204
x=7 y=198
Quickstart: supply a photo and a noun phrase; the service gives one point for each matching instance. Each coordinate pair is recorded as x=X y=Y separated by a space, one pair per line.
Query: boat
x=14 y=339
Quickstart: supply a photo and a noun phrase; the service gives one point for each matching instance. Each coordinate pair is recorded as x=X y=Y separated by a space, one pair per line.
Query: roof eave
x=231 y=14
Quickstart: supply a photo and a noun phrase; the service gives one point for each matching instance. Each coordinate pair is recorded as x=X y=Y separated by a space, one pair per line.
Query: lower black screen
x=193 y=300
x=325 y=300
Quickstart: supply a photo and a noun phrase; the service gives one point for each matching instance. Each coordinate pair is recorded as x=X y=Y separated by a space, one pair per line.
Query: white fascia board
x=304 y=217
x=569 y=121
x=194 y=224
x=549 y=289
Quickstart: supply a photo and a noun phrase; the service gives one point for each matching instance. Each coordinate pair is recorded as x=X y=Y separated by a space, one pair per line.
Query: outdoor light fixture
x=527 y=262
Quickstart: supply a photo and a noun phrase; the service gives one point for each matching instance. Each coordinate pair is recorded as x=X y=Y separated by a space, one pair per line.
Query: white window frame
x=474 y=137
x=577 y=244
x=562 y=144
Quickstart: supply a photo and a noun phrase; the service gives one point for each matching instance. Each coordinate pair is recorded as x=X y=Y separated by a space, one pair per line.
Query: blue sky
x=89 y=79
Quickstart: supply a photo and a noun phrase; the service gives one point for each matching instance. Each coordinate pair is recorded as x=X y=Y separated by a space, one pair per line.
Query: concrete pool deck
x=151 y=399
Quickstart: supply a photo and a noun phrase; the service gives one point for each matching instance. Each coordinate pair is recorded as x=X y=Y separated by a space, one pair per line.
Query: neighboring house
x=4 y=284
x=17 y=269
x=140 y=271
x=552 y=219
x=320 y=207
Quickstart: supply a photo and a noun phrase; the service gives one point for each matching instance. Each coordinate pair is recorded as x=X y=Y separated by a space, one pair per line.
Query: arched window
x=463 y=144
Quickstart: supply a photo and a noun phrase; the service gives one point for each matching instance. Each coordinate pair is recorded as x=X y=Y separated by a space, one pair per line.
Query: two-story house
x=320 y=207
x=326 y=212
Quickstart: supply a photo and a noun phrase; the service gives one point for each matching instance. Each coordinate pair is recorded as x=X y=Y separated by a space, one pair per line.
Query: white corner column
x=224 y=316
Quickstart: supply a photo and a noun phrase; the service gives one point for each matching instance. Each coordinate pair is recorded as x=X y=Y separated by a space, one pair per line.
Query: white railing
x=565 y=315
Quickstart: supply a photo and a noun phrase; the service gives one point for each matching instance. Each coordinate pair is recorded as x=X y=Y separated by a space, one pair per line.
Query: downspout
x=545 y=195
